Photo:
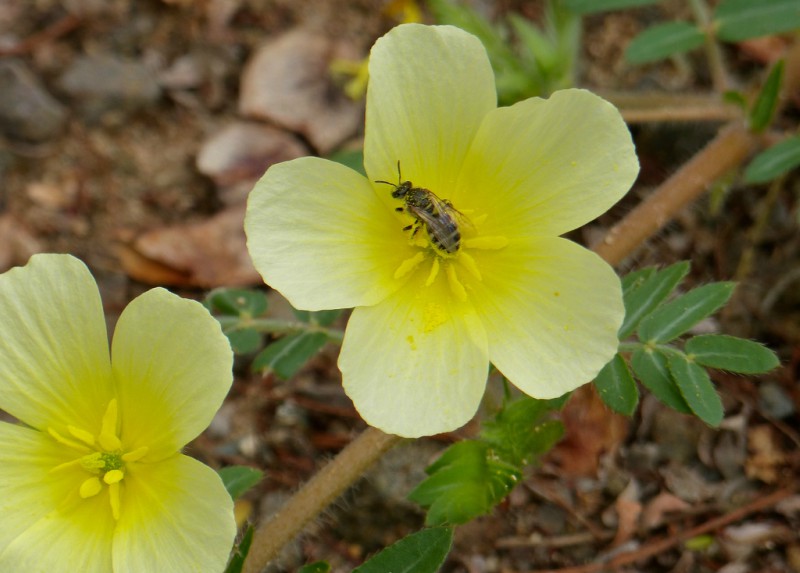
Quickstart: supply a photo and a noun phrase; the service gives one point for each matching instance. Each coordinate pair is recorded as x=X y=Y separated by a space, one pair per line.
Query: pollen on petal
x=487 y=243
x=90 y=488
x=409 y=265
x=434 y=272
x=455 y=285
x=433 y=316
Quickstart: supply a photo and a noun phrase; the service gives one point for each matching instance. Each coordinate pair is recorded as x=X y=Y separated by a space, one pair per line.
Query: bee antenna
x=399 y=175
x=387 y=182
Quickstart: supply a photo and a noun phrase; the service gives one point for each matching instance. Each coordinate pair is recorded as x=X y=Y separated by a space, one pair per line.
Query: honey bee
x=438 y=216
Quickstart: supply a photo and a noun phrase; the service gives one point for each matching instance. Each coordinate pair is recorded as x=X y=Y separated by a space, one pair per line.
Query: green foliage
x=316 y=567
x=737 y=20
x=775 y=161
x=675 y=375
x=238 y=479
x=528 y=60
x=240 y=313
x=317 y=318
x=646 y=290
x=732 y=21
x=287 y=355
x=617 y=387
x=237 y=302
x=767 y=101
x=652 y=369
x=473 y=476
x=236 y=563
x=420 y=552
x=352 y=158
x=592 y=6
x=730 y=353
x=696 y=388
x=664 y=40
x=677 y=316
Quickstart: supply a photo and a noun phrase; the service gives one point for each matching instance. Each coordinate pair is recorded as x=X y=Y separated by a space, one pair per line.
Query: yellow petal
x=551 y=310
x=54 y=365
x=429 y=89
x=176 y=516
x=545 y=167
x=415 y=364
x=36 y=533
x=318 y=234
x=172 y=369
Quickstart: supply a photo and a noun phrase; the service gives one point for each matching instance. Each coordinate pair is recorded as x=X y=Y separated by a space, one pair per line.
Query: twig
x=55 y=30
x=718 y=112
x=726 y=151
x=661 y=545
x=316 y=495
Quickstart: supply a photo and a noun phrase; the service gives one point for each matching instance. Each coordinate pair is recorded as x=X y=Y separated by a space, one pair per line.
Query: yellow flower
x=432 y=309
x=92 y=481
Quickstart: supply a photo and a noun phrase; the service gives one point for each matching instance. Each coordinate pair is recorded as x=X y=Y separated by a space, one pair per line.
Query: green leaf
x=592 y=6
x=634 y=279
x=317 y=567
x=238 y=479
x=775 y=161
x=237 y=302
x=731 y=354
x=641 y=297
x=767 y=101
x=286 y=356
x=617 y=387
x=517 y=433
x=697 y=389
x=320 y=317
x=465 y=482
x=236 y=563
x=664 y=40
x=652 y=370
x=421 y=552
x=244 y=341
x=742 y=19
x=352 y=158
x=682 y=313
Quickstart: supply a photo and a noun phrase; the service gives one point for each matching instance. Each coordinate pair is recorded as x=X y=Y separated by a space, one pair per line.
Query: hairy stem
x=726 y=151
x=316 y=495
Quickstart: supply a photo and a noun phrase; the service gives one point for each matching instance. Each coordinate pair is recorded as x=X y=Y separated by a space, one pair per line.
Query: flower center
x=445 y=241
x=102 y=457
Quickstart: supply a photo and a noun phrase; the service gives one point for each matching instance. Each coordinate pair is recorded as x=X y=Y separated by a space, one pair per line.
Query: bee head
x=402 y=189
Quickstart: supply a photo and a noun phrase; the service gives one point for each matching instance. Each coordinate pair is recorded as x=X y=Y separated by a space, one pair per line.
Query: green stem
x=716 y=61
x=276 y=326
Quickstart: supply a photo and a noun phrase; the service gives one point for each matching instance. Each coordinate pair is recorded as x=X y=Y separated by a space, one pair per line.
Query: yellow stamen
x=67 y=442
x=469 y=263
x=90 y=488
x=108 y=434
x=136 y=454
x=113 y=476
x=82 y=435
x=455 y=284
x=434 y=272
x=487 y=243
x=113 y=497
x=409 y=265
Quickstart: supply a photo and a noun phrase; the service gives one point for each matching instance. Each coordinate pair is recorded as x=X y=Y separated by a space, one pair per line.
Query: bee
x=438 y=216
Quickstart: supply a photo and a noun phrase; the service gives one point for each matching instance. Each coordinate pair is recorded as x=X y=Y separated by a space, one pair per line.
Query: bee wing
x=443 y=206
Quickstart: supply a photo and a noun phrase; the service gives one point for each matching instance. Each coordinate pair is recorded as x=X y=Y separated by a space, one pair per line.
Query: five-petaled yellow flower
x=433 y=307
x=92 y=480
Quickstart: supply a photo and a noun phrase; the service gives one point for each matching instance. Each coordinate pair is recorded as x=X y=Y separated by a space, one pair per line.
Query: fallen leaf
x=288 y=82
x=205 y=254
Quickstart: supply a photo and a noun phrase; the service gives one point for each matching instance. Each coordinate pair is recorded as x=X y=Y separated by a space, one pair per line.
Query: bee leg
x=408 y=228
x=399 y=209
